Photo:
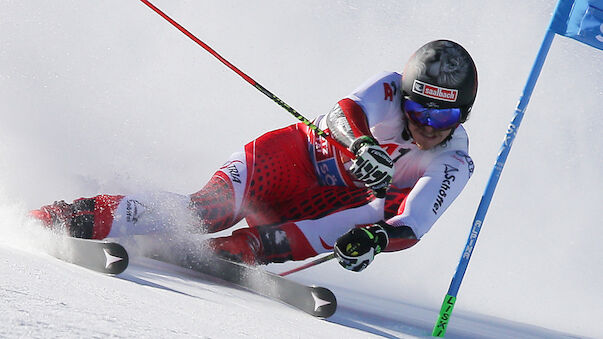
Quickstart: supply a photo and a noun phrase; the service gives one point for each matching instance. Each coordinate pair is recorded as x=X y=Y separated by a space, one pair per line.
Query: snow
x=106 y=97
x=45 y=297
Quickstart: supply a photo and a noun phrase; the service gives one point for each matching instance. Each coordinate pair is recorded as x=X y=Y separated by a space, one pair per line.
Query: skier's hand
x=356 y=249
x=372 y=165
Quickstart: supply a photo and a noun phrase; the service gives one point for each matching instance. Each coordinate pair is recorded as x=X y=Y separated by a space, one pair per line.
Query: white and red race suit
x=293 y=187
x=435 y=177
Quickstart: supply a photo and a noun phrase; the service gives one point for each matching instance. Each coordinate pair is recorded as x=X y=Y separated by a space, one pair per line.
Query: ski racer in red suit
x=300 y=196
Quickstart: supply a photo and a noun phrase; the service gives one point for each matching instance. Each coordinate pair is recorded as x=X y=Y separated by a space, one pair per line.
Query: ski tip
x=116 y=259
x=325 y=302
x=98 y=255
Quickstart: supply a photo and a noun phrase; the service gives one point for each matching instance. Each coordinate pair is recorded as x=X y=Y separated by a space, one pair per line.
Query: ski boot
x=55 y=216
x=76 y=219
x=242 y=246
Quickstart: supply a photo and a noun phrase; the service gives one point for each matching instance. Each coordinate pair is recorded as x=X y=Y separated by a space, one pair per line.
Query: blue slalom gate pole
x=439 y=329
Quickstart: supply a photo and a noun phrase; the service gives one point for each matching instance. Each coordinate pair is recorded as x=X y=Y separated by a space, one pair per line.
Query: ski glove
x=356 y=249
x=372 y=165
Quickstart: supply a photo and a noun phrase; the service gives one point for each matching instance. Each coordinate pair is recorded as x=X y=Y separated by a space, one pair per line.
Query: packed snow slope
x=107 y=97
x=44 y=297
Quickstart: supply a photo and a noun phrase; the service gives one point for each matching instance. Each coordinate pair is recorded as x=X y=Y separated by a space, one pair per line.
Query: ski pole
x=255 y=84
x=308 y=265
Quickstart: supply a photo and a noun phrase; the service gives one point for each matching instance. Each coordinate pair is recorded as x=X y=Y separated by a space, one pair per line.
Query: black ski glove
x=356 y=249
x=372 y=165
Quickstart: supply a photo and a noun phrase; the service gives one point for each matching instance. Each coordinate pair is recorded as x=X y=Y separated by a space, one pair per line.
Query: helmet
x=441 y=74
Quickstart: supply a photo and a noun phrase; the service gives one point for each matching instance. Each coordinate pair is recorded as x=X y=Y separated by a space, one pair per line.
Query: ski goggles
x=439 y=119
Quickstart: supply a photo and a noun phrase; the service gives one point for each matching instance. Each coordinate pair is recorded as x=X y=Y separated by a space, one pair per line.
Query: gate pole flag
x=581 y=20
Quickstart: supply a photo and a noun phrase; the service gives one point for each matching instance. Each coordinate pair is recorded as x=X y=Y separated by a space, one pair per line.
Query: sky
x=107 y=97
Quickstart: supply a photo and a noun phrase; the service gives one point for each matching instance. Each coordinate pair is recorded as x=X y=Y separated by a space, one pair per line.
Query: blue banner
x=581 y=20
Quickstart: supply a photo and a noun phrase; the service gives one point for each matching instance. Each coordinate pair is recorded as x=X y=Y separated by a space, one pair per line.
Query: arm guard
x=347 y=121
x=399 y=237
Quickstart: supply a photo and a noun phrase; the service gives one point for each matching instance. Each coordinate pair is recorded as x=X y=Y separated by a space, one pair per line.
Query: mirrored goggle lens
x=437 y=118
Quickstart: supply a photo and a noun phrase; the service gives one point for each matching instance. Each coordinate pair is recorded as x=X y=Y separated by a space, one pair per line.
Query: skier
x=301 y=196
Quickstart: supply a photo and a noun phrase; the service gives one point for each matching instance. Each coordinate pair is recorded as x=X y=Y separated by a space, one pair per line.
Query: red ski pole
x=259 y=87
x=308 y=265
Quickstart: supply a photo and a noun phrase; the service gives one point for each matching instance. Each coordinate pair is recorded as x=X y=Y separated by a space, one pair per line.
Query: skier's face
x=426 y=137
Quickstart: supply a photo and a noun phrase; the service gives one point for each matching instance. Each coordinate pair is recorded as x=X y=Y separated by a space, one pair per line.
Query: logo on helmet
x=434 y=92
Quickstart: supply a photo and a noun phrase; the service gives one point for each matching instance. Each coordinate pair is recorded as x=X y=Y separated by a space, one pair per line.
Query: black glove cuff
x=361 y=141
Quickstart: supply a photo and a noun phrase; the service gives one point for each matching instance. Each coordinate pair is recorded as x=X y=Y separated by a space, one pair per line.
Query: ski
x=317 y=301
x=98 y=255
